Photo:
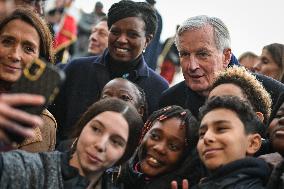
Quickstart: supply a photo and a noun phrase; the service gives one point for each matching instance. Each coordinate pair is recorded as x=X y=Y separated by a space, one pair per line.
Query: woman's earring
x=74 y=144
x=144 y=50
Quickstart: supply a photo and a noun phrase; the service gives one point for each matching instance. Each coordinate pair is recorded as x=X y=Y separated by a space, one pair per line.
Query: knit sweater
x=20 y=169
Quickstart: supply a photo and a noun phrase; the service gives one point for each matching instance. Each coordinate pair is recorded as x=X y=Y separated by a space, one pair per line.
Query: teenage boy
x=228 y=138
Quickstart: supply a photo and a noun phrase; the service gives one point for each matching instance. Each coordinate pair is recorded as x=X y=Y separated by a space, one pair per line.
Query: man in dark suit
x=204 y=47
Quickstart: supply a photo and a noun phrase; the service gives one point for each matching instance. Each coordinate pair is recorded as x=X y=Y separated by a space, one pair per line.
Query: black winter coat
x=248 y=173
x=131 y=178
x=276 y=180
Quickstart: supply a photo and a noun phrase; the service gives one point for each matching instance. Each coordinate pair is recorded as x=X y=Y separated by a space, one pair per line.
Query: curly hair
x=127 y=8
x=252 y=89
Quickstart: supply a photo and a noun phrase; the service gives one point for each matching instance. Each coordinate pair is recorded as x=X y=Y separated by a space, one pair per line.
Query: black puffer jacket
x=248 y=173
x=129 y=177
x=276 y=180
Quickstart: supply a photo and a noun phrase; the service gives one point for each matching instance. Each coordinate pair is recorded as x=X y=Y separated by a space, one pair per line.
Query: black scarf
x=123 y=69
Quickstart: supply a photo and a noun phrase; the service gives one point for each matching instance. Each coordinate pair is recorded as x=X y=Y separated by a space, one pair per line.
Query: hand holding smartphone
x=10 y=117
x=41 y=78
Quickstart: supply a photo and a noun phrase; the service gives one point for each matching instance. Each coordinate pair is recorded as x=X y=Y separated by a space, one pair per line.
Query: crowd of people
x=115 y=122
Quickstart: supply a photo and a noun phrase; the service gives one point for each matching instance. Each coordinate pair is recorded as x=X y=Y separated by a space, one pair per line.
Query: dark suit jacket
x=183 y=96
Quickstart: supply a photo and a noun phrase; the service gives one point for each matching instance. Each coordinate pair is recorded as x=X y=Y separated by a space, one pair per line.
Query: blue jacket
x=154 y=49
x=85 y=78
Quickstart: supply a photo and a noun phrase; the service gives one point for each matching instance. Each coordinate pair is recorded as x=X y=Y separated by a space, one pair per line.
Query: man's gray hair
x=221 y=32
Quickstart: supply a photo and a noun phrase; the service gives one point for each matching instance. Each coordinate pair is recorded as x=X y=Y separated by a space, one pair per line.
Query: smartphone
x=38 y=77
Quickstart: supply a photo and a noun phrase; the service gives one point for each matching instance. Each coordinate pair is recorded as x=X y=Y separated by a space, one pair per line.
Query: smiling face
x=99 y=38
x=276 y=131
x=19 y=45
x=101 y=144
x=200 y=59
x=164 y=144
x=127 y=39
x=222 y=138
x=267 y=66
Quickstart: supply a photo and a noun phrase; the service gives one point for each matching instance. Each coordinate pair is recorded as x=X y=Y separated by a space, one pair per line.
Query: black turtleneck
x=122 y=69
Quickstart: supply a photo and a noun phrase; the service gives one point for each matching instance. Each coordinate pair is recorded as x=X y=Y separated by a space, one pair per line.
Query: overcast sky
x=252 y=23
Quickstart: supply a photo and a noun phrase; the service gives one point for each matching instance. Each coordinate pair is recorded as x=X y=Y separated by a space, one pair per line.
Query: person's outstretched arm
x=11 y=117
